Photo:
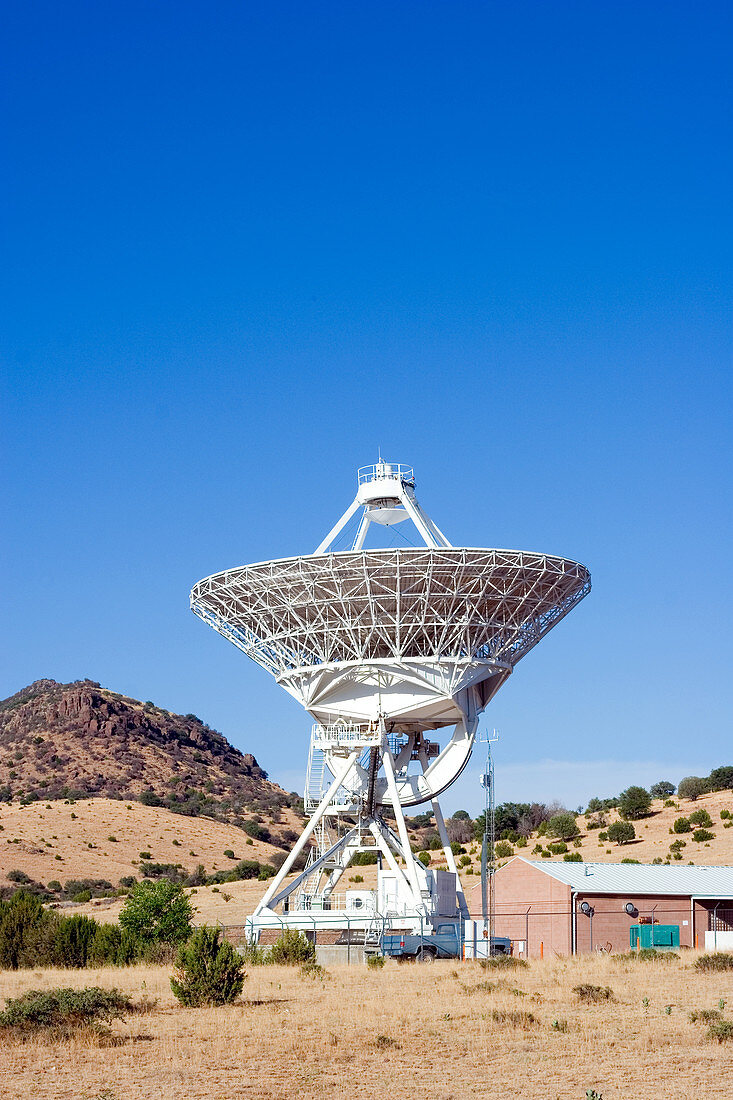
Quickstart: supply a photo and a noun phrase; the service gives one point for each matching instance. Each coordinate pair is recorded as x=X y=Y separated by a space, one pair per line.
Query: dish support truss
x=368 y=768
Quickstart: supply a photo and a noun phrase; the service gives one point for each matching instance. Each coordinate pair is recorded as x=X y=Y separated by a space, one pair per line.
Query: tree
x=662 y=789
x=701 y=818
x=721 y=779
x=157 y=912
x=621 y=832
x=459 y=829
x=563 y=826
x=208 y=970
x=594 y=806
x=633 y=803
x=692 y=786
x=461 y=815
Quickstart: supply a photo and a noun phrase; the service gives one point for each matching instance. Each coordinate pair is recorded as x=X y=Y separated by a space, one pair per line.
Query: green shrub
x=558 y=847
x=572 y=857
x=63 y=1011
x=705 y=1015
x=593 y=994
x=365 y=859
x=633 y=803
x=720 y=1031
x=312 y=970
x=516 y=1019
x=701 y=818
x=504 y=962
x=718 y=960
x=503 y=849
x=72 y=940
x=621 y=832
x=375 y=962
x=157 y=912
x=229 y=853
x=26 y=932
x=563 y=826
x=682 y=825
x=424 y=858
x=701 y=835
x=208 y=970
x=692 y=786
x=105 y=947
x=252 y=955
x=291 y=948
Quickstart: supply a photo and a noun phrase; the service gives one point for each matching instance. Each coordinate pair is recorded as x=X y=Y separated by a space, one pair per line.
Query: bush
x=208 y=970
x=365 y=859
x=424 y=858
x=105 y=948
x=721 y=779
x=720 y=1031
x=26 y=932
x=701 y=835
x=375 y=962
x=701 y=818
x=572 y=857
x=662 y=789
x=651 y=954
x=593 y=994
x=621 y=832
x=72 y=940
x=291 y=948
x=682 y=825
x=692 y=786
x=563 y=826
x=157 y=912
x=63 y=1011
x=718 y=960
x=557 y=847
x=503 y=849
x=504 y=962
x=633 y=803
x=252 y=955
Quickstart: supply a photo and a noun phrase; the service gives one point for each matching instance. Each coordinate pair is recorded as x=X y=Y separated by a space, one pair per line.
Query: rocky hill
x=80 y=740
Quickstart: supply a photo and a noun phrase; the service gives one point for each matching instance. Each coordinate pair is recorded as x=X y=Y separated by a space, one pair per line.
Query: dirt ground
x=406 y=1032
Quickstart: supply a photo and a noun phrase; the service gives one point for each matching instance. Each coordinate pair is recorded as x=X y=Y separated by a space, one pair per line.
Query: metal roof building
x=567 y=908
x=633 y=878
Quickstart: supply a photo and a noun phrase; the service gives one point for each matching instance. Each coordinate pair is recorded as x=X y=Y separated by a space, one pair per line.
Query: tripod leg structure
x=307 y=832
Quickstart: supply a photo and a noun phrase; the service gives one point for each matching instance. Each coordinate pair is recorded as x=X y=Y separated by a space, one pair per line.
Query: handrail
x=380 y=471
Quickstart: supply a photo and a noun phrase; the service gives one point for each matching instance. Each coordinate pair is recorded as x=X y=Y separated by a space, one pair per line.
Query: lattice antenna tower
x=488 y=846
x=394 y=653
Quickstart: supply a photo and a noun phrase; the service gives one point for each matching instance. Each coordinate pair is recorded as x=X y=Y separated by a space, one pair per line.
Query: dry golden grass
x=407 y=1032
x=33 y=836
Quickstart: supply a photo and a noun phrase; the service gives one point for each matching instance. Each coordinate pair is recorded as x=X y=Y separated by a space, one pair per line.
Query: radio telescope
x=383 y=647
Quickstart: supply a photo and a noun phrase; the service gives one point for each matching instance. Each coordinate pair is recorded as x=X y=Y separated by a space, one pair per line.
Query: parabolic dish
x=438 y=608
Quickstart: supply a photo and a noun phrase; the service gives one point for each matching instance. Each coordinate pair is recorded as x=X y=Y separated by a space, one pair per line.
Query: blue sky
x=246 y=245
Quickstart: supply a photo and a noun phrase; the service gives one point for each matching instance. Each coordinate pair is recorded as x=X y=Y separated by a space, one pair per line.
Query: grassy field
x=103 y=838
x=405 y=1032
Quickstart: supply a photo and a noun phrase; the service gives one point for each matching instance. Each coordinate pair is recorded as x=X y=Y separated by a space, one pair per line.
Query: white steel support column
x=450 y=859
x=307 y=832
x=386 y=851
x=401 y=826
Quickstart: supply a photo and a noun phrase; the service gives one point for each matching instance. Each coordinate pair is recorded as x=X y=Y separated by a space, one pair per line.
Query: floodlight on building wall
x=631 y=909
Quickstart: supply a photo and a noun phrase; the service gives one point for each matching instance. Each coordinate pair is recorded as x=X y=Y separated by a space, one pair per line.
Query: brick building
x=568 y=908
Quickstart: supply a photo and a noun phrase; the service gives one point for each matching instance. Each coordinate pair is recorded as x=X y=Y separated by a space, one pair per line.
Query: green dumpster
x=662 y=936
